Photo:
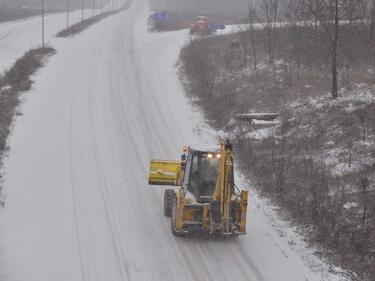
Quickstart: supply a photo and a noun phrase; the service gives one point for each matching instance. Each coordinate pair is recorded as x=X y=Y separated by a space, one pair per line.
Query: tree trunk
x=334 y=76
x=252 y=36
x=334 y=52
x=372 y=31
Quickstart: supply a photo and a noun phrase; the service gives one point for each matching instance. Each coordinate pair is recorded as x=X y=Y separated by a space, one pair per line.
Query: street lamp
x=93 y=7
x=83 y=7
x=67 y=14
x=43 y=24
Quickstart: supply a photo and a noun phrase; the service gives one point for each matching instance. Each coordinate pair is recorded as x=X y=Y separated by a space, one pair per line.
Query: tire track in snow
x=72 y=137
x=105 y=192
x=10 y=32
x=13 y=35
x=123 y=264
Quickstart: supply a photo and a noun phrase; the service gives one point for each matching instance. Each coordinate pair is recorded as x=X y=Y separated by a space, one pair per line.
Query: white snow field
x=78 y=204
x=17 y=37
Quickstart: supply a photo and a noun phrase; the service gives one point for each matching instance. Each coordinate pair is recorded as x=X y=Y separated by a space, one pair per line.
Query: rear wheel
x=169 y=195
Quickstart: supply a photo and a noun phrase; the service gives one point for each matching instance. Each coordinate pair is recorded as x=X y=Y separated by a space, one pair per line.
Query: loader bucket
x=165 y=173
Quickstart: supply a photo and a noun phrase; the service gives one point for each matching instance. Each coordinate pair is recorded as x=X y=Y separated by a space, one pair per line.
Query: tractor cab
x=204 y=170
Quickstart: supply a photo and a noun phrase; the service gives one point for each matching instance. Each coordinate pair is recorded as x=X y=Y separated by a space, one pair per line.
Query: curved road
x=78 y=204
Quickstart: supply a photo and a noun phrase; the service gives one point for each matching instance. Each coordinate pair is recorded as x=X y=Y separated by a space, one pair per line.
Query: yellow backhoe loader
x=207 y=200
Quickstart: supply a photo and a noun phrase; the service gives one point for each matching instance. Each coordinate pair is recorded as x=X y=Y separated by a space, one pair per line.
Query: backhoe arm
x=225 y=184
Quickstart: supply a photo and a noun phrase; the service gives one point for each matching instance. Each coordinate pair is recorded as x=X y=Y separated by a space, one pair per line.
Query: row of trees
x=233 y=7
x=332 y=21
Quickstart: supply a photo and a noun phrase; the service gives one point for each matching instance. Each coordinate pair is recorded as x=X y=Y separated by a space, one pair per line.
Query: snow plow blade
x=165 y=173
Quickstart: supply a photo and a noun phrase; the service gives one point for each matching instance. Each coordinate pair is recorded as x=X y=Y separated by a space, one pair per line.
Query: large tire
x=169 y=196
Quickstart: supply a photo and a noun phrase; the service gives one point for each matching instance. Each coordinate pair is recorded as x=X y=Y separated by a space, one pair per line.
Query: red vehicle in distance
x=201 y=26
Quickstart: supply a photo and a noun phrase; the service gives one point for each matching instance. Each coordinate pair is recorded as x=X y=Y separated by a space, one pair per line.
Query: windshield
x=203 y=176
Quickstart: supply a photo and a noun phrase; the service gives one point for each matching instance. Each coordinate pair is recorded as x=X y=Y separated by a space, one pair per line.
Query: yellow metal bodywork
x=225 y=185
x=180 y=211
x=243 y=210
x=165 y=173
x=188 y=212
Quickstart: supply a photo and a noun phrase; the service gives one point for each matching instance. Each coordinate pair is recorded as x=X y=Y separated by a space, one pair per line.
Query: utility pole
x=83 y=7
x=102 y=5
x=67 y=13
x=43 y=24
x=93 y=7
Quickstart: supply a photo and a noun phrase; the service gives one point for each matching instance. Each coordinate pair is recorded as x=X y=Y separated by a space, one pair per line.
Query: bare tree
x=327 y=13
x=372 y=31
x=252 y=17
x=270 y=10
x=243 y=39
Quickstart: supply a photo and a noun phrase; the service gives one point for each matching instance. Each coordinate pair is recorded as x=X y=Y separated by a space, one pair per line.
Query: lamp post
x=67 y=13
x=43 y=24
x=93 y=7
x=83 y=7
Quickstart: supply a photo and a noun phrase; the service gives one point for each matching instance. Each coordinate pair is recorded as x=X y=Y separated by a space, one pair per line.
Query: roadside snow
x=17 y=37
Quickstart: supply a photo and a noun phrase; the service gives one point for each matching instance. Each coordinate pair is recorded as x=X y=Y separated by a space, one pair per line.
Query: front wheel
x=169 y=195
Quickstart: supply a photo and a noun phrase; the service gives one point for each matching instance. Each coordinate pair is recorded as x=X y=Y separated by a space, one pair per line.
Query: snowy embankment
x=78 y=204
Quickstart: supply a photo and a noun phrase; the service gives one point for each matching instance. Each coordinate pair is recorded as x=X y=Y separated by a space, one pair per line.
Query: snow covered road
x=78 y=204
x=17 y=37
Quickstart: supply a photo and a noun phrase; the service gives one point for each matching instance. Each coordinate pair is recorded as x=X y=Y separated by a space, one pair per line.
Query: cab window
x=204 y=173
